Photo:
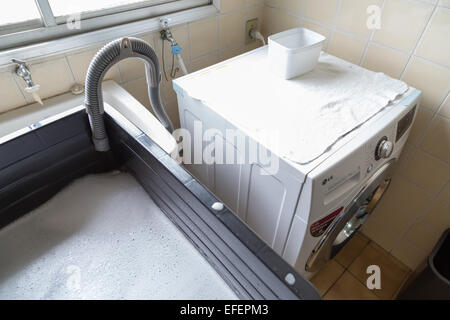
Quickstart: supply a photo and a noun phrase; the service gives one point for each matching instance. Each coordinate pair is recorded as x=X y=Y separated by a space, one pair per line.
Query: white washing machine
x=305 y=212
x=341 y=192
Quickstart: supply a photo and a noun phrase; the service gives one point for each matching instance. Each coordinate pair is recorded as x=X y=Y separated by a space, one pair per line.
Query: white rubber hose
x=181 y=64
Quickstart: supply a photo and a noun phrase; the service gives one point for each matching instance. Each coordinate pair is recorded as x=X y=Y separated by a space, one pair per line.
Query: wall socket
x=249 y=25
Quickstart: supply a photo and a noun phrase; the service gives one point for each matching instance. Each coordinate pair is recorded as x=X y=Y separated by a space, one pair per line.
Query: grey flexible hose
x=108 y=56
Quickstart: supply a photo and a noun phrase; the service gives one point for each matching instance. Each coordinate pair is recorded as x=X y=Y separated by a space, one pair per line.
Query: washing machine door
x=352 y=218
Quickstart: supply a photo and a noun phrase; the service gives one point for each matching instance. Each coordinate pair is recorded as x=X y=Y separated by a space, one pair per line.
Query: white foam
x=103 y=237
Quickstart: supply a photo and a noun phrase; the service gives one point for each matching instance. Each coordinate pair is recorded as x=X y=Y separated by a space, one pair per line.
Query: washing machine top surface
x=300 y=119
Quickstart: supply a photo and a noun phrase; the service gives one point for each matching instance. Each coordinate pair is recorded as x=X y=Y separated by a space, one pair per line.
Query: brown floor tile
x=349 y=288
x=403 y=285
x=327 y=276
x=352 y=249
x=393 y=272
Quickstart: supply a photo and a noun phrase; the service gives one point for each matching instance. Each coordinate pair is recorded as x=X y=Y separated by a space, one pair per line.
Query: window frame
x=113 y=10
x=50 y=27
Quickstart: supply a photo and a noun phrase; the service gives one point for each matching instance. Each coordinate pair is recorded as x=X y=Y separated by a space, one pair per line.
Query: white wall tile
x=431 y=78
x=133 y=68
x=346 y=47
x=437 y=139
x=79 y=63
x=436 y=40
x=231 y=5
x=138 y=89
x=231 y=29
x=402 y=23
x=320 y=10
x=383 y=59
x=352 y=16
x=203 y=36
x=427 y=172
x=11 y=95
x=54 y=77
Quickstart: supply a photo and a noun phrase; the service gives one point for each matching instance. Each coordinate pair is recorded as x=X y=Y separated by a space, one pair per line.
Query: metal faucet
x=23 y=72
x=166 y=34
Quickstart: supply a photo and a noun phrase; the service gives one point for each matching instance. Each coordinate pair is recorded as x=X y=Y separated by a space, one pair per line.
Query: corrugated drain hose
x=108 y=56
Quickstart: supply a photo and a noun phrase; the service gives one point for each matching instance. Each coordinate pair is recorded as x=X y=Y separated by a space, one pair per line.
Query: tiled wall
x=204 y=42
x=413 y=44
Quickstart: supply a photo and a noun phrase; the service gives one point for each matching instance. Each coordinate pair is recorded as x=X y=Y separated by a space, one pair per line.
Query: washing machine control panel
x=338 y=178
x=341 y=178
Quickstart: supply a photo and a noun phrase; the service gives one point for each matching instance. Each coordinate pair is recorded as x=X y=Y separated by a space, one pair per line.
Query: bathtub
x=44 y=151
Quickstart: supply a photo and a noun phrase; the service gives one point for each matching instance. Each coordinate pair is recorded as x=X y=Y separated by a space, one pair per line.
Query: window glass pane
x=64 y=7
x=12 y=11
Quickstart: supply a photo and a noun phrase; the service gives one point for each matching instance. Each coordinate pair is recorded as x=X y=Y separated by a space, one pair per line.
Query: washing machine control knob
x=384 y=149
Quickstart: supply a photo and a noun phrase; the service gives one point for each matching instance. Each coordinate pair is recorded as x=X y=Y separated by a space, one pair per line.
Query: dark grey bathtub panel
x=40 y=160
x=227 y=217
x=19 y=149
x=44 y=192
x=151 y=147
x=175 y=169
x=42 y=138
x=40 y=163
x=64 y=129
x=44 y=172
x=240 y=245
x=244 y=261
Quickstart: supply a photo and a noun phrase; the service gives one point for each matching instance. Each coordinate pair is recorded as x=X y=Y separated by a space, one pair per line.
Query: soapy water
x=114 y=243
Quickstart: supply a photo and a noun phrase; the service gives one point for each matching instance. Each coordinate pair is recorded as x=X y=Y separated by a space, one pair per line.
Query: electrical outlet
x=249 y=25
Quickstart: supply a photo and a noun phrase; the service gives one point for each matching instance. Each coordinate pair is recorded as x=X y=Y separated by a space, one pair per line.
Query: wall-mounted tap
x=166 y=35
x=24 y=72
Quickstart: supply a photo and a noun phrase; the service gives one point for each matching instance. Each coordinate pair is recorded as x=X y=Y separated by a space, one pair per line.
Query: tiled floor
x=344 y=277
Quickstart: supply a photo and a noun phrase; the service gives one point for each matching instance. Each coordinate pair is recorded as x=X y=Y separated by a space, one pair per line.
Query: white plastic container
x=294 y=52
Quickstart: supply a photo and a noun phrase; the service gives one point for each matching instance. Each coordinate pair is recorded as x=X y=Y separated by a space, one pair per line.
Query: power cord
x=255 y=34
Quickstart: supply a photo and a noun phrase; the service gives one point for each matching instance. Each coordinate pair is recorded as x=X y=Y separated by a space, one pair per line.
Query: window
x=25 y=22
x=18 y=11
x=62 y=8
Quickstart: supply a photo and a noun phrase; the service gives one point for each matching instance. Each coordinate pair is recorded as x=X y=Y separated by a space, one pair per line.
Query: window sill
x=91 y=38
